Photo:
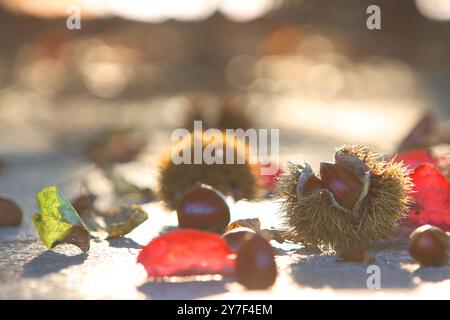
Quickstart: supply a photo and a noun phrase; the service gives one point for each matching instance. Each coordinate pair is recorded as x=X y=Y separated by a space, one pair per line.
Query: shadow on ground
x=318 y=271
x=50 y=262
x=183 y=290
x=431 y=274
x=125 y=243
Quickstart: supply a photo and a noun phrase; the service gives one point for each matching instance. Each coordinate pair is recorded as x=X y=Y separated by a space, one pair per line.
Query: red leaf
x=414 y=158
x=187 y=252
x=432 y=198
x=269 y=181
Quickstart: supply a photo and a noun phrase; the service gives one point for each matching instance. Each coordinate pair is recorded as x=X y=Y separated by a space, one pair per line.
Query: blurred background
x=308 y=67
x=73 y=102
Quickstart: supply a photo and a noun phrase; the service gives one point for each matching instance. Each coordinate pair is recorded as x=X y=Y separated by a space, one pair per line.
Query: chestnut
x=255 y=264
x=10 y=212
x=429 y=246
x=313 y=185
x=204 y=208
x=357 y=201
x=345 y=186
x=237 y=236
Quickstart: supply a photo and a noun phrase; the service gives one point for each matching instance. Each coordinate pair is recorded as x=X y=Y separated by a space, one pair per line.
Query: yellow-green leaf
x=57 y=221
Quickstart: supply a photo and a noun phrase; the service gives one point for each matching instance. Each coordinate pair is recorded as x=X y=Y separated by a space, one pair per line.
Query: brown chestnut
x=429 y=246
x=237 y=236
x=205 y=208
x=255 y=264
x=10 y=212
x=313 y=185
x=345 y=187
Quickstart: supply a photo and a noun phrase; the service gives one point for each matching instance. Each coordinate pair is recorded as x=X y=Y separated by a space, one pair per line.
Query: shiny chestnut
x=204 y=208
x=345 y=187
x=313 y=185
x=429 y=246
x=10 y=212
x=255 y=264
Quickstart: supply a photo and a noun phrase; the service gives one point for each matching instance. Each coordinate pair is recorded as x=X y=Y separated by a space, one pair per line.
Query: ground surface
x=109 y=270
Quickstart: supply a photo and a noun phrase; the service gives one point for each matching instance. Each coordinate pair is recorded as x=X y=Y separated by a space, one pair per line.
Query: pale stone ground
x=109 y=271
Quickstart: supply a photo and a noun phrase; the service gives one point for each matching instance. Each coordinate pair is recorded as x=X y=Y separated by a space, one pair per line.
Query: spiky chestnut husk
x=238 y=180
x=317 y=219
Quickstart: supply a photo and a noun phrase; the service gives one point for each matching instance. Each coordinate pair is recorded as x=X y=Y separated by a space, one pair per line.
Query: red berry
x=10 y=213
x=204 y=208
x=236 y=237
x=255 y=264
x=429 y=245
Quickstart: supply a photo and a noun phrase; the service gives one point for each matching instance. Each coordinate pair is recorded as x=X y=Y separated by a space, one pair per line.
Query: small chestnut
x=429 y=246
x=255 y=264
x=10 y=212
x=237 y=236
x=204 y=208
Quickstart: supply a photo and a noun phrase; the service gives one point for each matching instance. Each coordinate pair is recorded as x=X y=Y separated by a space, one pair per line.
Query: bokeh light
x=434 y=9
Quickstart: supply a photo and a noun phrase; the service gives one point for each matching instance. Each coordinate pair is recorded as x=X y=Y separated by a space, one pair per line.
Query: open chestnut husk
x=429 y=245
x=354 y=202
x=204 y=208
x=255 y=264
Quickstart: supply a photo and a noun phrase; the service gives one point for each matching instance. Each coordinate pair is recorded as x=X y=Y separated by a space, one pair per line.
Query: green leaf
x=135 y=216
x=57 y=221
x=114 y=223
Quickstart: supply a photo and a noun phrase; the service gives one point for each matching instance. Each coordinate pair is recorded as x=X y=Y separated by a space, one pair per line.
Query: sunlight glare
x=434 y=9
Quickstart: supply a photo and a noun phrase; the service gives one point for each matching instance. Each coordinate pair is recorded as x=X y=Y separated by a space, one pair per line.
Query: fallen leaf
x=442 y=154
x=57 y=221
x=269 y=181
x=130 y=219
x=255 y=225
x=273 y=234
x=115 y=223
x=432 y=198
x=10 y=212
x=414 y=158
x=187 y=252
x=419 y=134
